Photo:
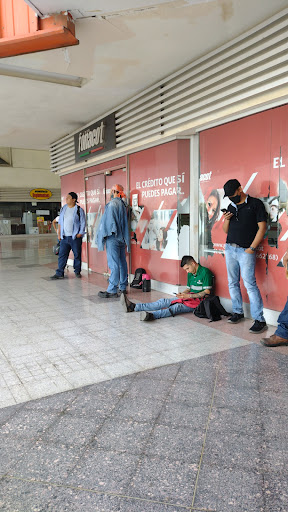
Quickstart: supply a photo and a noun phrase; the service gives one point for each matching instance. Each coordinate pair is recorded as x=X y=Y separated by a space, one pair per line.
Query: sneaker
x=235 y=318
x=258 y=327
x=56 y=277
x=274 y=341
x=78 y=275
x=146 y=317
x=126 y=304
x=106 y=295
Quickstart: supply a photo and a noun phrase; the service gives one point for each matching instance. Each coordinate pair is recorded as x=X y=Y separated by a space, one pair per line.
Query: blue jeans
x=162 y=308
x=237 y=260
x=282 y=329
x=66 y=245
x=116 y=259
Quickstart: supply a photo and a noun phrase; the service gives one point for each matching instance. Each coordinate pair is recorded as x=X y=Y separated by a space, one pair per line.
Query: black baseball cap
x=73 y=195
x=230 y=187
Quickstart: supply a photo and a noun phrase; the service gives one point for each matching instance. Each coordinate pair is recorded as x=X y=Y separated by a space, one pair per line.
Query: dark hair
x=187 y=260
x=214 y=193
x=164 y=241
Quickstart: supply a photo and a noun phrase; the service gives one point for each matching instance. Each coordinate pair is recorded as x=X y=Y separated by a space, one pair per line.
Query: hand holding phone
x=224 y=210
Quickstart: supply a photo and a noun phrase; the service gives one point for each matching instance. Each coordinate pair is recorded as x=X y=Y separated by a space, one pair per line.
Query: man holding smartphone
x=245 y=226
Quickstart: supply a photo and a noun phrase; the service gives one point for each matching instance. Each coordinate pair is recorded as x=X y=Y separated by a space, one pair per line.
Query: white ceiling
x=122 y=51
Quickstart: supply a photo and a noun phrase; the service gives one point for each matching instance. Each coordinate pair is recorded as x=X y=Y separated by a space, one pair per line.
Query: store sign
x=95 y=139
x=40 y=194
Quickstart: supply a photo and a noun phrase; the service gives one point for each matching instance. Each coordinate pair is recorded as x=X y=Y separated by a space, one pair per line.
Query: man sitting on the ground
x=199 y=284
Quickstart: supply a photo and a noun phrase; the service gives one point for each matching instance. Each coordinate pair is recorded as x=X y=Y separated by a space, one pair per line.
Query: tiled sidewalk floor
x=166 y=416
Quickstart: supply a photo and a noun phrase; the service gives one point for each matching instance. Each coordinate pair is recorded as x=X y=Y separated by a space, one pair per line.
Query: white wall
x=30 y=169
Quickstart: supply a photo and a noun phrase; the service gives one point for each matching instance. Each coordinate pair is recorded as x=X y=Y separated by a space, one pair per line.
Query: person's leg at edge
x=113 y=260
x=233 y=271
x=247 y=266
x=65 y=248
x=77 y=250
x=123 y=267
x=282 y=329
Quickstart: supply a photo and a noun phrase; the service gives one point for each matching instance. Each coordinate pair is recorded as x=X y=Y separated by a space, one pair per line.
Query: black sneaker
x=235 y=318
x=107 y=295
x=146 y=317
x=258 y=327
x=56 y=277
x=78 y=275
x=127 y=305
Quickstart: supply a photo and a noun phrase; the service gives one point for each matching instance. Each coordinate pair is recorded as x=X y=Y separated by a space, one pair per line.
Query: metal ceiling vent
x=240 y=71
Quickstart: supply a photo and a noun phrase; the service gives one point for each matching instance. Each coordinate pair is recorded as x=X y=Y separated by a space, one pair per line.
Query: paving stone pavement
x=100 y=412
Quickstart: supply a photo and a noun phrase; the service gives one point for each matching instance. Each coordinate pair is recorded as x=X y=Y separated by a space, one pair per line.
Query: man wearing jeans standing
x=280 y=336
x=71 y=229
x=245 y=226
x=114 y=232
x=199 y=284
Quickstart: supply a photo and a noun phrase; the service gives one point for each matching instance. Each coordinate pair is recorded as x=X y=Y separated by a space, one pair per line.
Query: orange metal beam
x=21 y=31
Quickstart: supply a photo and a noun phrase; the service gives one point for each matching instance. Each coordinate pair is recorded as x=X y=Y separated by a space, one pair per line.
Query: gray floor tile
x=239 y=399
x=72 y=431
x=7 y=412
x=57 y=402
x=131 y=408
x=47 y=462
x=276 y=491
x=227 y=421
x=92 y=405
x=233 y=451
x=165 y=480
x=275 y=452
x=168 y=372
x=176 y=443
x=11 y=450
x=183 y=415
x=148 y=389
x=76 y=500
x=20 y=496
x=28 y=424
x=141 y=505
x=226 y=490
x=115 y=386
x=192 y=393
x=123 y=436
x=103 y=470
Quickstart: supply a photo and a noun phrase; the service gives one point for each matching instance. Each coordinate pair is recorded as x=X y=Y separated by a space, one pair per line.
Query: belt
x=235 y=245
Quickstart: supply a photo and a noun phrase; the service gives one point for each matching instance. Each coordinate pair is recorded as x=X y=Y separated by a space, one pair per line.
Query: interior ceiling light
x=42 y=76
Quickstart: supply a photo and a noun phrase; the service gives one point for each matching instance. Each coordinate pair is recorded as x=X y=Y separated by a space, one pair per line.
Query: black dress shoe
x=56 y=277
x=78 y=275
x=107 y=295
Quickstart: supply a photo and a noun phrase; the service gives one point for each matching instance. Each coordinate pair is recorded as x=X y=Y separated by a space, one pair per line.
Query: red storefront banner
x=253 y=150
x=159 y=184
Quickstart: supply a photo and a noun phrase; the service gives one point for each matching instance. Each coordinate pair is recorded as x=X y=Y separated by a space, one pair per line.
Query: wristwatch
x=252 y=248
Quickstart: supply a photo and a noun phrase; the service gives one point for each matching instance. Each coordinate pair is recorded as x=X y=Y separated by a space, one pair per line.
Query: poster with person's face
x=159 y=179
x=253 y=150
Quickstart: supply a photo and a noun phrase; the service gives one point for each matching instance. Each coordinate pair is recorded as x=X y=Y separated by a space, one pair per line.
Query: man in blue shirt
x=114 y=232
x=71 y=229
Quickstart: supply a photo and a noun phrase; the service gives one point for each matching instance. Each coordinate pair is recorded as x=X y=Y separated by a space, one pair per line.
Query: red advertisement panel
x=253 y=150
x=159 y=182
x=98 y=189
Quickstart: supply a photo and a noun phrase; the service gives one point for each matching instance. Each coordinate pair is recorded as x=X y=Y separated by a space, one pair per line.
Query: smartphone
x=224 y=210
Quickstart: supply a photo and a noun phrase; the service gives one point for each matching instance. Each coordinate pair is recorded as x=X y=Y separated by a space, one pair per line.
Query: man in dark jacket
x=113 y=232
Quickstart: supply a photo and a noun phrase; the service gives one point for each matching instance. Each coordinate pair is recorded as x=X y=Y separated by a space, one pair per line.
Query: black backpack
x=211 y=308
x=138 y=278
